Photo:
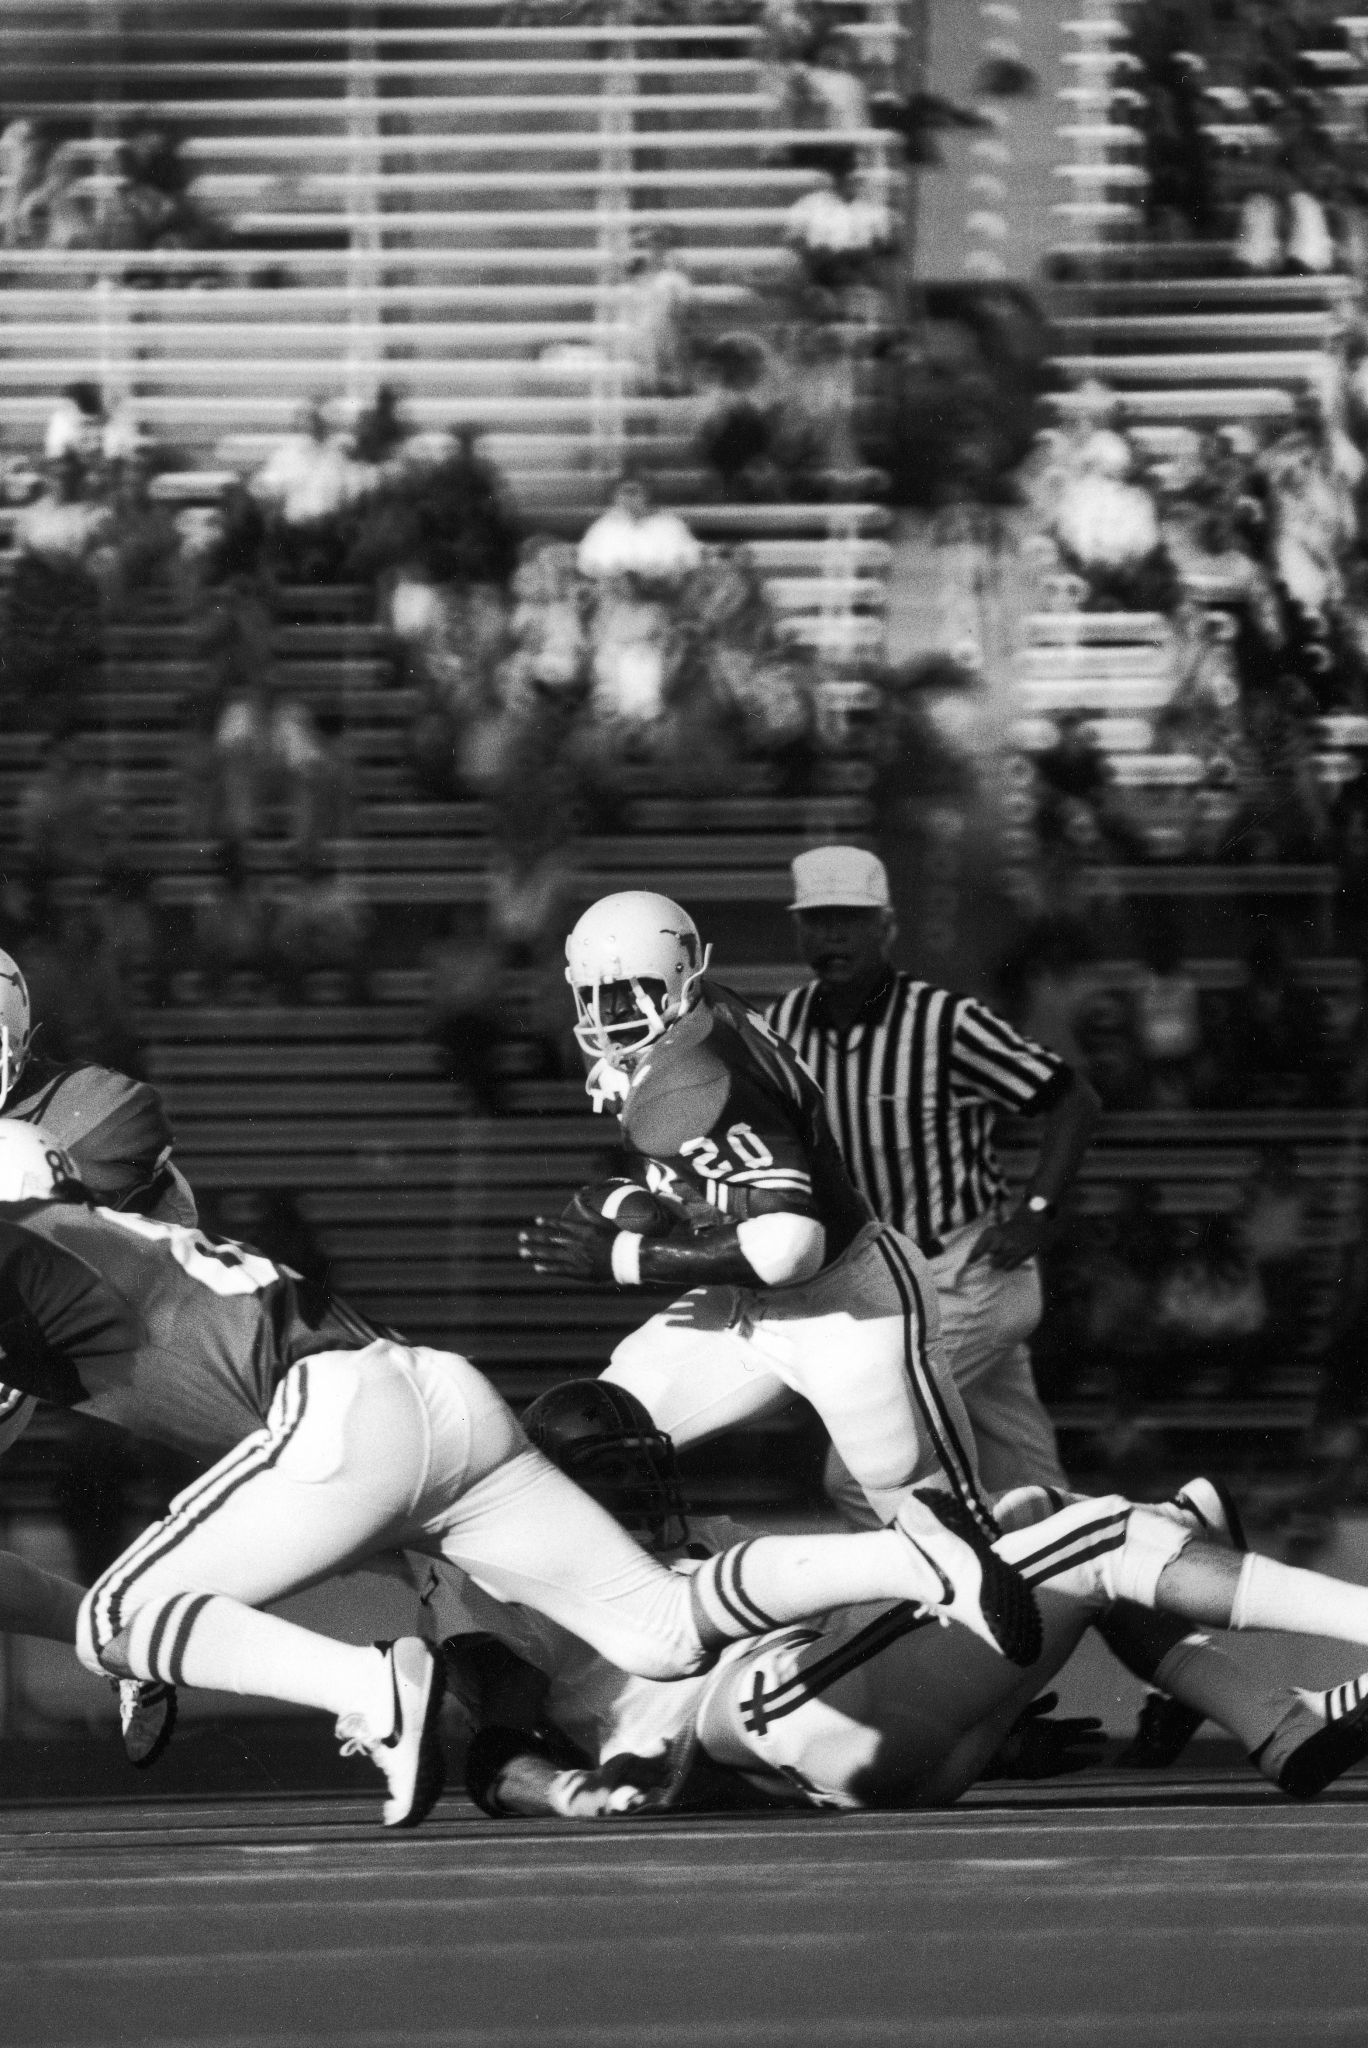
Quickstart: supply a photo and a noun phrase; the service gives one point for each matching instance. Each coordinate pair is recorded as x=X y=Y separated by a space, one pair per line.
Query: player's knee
x=1152 y=1542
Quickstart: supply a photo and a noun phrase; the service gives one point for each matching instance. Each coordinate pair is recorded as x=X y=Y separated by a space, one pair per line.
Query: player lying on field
x=872 y=1706
x=335 y=1442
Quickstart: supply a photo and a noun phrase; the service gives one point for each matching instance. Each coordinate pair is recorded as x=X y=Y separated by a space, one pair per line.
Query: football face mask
x=15 y=1025
x=634 y=961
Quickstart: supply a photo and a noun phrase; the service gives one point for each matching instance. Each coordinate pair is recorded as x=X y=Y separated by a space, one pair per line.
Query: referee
x=914 y=1079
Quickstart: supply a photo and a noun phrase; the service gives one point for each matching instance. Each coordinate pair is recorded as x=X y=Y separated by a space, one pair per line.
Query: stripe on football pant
x=761 y=1707
x=956 y=1461
x=195 y=1507
x=1090 y=1538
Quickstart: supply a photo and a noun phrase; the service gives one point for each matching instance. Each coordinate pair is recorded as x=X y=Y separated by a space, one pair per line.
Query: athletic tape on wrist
x=627 y=1258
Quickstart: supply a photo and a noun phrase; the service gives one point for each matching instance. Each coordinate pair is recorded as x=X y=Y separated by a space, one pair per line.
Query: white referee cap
x=844 y=877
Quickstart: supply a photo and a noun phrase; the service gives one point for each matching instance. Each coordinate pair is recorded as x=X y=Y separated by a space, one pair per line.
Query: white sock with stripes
x=201 y=1640
x=1340 y=1700
x=774 y=1580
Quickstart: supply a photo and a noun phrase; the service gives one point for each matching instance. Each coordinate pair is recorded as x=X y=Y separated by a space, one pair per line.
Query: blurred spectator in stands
x=307 y=488
x=142 y=543
x=1080 y=808
x=637 y=539
x=465 y=980
x=1179 y=192
x=1211 y=1311
x=1111 y=1058
x=1311 y=525
x=1273 y=1218
x=840 y=236
x=68 y=817
x=1349 y=845
x=438 y=518
x=810 y=82
x=776 y=416
x=53 y=642
x=654 y=305
x=1334 y=1443
x=548 y=624
x=812 y=413
x=132 y=930
x=1046 y=983
x=59 y=211
x=233 y=931
x=1132 y=1258
x=453 y=640
x=637 y=556
x=1166 y=1014
x=149 y=203
x=255 y=754
x=734 y=428
x=1286 y=816
x=1107 y=527
x=497 y=988
x=761 y=686
x=25 y=149
x=1274 y=1042
x=320 y=932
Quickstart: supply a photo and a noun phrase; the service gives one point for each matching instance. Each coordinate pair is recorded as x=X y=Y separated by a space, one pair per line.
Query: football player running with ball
x=736 y=1197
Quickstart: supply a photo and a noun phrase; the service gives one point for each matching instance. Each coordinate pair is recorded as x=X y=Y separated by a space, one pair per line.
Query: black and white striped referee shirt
x=913 y=1088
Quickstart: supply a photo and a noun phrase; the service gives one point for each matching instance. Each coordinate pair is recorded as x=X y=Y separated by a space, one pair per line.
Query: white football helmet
x=650 y=948
x=16 y=1024
x=33 y=1166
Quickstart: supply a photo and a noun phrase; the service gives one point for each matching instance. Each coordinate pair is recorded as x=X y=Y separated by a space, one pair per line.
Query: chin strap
x=606 y=1086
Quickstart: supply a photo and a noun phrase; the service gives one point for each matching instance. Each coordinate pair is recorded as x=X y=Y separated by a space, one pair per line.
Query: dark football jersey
x=116 y=1131
x=723 y=1113
x=154 y=1327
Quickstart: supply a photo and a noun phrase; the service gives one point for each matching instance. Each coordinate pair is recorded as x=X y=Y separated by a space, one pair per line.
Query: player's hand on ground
x=1012 y=1242
x=570 y=1251
x=624 y=1784
x=1043 y=1744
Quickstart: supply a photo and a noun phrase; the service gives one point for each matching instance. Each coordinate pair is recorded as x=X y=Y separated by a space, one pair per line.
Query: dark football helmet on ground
x=603 y=1438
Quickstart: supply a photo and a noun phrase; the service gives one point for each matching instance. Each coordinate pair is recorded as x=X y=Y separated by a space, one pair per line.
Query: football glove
x=624 y=1784
x=1039 y=1746
x=568 y=1249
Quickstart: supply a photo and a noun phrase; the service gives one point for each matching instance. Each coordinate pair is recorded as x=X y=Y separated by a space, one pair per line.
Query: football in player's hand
x=620 y=1205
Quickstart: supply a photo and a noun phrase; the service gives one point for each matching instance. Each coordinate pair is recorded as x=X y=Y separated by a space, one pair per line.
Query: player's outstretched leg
x=933 y=1557
x=1108 y=1549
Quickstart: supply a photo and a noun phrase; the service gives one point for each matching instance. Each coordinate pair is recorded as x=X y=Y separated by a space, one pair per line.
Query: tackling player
x=118 y=1136
x=787 y=1284
x=335 y=1443
x=869 y=1707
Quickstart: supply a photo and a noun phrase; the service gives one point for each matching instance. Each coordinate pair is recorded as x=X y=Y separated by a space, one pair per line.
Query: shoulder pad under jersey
x=114 y=1127
x=679 y=1094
